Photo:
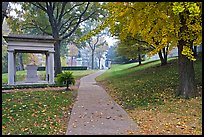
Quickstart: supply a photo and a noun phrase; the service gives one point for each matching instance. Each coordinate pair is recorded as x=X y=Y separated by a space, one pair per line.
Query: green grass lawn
x=37 y=112
x=149 y=90
x=21 y=75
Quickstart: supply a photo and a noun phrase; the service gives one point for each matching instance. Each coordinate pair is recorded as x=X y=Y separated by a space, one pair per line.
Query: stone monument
x=30 y=44
x=31 y=73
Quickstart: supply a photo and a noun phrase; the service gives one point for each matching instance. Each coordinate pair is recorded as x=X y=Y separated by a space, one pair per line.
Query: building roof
x=23 y=37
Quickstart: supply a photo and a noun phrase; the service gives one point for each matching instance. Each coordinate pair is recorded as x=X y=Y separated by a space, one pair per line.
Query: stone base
x=31 y=83
x=32 y=74
x=32 y=80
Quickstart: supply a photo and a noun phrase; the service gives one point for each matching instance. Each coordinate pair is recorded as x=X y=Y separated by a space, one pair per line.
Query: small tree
x=66 y=78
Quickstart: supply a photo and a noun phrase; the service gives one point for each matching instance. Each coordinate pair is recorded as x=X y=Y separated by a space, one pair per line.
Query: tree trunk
x=186 y=70
x=99 y=62
x=195 y=51
x=3 y=12
x=186 y=74
x=165 y=55
x=92 y=58
x=67 y=89
x=21 y=66
x=162 y=59
x=140 y=59
x=57 y=60
x=71 y=60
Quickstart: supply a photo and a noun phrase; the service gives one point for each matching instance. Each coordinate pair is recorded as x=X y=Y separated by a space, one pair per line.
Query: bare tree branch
x=4 y=8
x=43 y=30
x=62 y=25
x=94 y=46
x=34 y=25
x=72 y=8
x=61 y=13
x=57 y=11
x=88 y=17
x=53 y=6
x=68 y=26
x=102 y=43
x=79 y=21
x=38 y=5
x=59 y=21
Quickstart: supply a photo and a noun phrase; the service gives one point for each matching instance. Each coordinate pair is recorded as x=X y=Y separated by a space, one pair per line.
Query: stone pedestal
x=31 y=73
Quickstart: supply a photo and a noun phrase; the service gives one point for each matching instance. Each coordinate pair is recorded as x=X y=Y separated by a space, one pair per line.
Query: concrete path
x=95 y=112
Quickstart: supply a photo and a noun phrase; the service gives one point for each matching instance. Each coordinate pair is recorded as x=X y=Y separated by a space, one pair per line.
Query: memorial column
x=11 y=67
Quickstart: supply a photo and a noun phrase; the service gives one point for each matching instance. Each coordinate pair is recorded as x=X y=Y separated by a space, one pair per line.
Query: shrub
x=66 y=78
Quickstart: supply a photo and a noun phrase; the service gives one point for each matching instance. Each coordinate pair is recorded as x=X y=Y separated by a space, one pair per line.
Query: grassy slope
x=20 y=75
x=37 y=112
x=147 y=92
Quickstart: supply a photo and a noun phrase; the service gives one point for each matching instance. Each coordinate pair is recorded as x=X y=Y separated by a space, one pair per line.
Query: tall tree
x=134 y=48
x=58 y=19
x=72 y=52
x=93 y=43
x=161 y=23
x=4 y=9
x=4 y=57
x=189 y=15
x=100 y=52
x=5 y=31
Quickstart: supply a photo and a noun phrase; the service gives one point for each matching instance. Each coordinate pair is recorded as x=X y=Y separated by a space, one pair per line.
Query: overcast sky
x=110 y=40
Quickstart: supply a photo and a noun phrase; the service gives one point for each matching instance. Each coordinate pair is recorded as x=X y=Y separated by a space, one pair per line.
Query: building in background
x=172 y=53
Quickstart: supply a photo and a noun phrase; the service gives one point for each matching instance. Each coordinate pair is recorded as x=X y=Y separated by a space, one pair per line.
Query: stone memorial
x=30 y=44
x=32 y=75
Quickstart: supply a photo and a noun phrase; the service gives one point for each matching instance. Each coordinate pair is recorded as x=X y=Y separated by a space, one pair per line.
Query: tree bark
x=186 y=69
x=165 y=54
x=92 y=58
x=186 y=74
x=21 y=67
x=99 y=62
x=140 y=59
x=67 y=89
x=57 y=63
x=162 y=59
x=4 y=8
x=71 y=60
x=195 y=51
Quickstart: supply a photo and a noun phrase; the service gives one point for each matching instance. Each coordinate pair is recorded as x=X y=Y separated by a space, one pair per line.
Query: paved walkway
x=96 y=113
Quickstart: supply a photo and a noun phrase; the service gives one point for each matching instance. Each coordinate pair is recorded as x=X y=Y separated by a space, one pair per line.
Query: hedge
x=66 y=68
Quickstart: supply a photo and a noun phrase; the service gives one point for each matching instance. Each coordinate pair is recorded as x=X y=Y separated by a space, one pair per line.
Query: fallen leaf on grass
x=44 y=110
x=130 y=132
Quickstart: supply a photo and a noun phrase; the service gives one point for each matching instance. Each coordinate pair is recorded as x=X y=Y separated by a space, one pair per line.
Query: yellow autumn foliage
x=157 y=22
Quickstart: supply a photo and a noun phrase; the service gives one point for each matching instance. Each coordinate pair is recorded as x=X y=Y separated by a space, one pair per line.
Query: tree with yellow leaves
x=161 y=24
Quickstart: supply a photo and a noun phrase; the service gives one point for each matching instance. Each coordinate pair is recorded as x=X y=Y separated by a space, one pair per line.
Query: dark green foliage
x=41 y=69
x=67 y=68
x=75 y=68
x=113 y=56
x=66 y=78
